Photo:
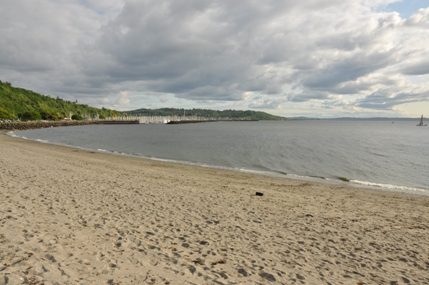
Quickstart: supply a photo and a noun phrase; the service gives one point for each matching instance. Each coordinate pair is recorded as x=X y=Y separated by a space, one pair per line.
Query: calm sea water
x=379 y=154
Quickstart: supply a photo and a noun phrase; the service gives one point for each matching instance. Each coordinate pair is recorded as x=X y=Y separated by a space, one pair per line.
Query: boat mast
x=421 y=121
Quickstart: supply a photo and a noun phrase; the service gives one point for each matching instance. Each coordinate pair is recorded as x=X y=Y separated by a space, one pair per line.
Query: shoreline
x=377 y=186
x=75 y=216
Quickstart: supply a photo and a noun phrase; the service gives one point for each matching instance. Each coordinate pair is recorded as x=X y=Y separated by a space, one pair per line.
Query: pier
x=175 y=119
x=119 y=122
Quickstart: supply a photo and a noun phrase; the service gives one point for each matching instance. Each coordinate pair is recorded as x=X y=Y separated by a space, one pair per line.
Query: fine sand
x=70 y=216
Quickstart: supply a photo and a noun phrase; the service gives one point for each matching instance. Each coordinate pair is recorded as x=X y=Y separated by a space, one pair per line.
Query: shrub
x=49 y=117
x=6 y=115
x=31 y=116
x=76 y=117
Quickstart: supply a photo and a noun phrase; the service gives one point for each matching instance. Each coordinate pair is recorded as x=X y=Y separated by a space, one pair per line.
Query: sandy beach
x=70 y=216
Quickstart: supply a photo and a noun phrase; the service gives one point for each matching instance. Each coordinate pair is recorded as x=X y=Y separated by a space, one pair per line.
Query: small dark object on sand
x=259 y=194
x=220 y=261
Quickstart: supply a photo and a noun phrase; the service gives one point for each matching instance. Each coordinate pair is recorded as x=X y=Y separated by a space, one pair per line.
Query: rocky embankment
x=48 y=124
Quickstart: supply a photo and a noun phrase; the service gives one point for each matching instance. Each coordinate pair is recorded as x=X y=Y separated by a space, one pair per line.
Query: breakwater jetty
x=48 y=124
x=20 y=126
x=207 y=121
x=191 y=122
x=168 y=119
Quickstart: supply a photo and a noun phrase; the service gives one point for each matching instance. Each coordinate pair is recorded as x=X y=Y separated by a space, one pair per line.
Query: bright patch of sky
x=406 y=8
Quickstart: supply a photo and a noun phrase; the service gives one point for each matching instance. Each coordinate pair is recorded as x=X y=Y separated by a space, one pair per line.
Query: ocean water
x=372 y=153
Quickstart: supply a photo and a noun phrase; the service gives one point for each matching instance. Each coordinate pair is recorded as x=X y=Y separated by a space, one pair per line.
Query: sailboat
x=421 y=122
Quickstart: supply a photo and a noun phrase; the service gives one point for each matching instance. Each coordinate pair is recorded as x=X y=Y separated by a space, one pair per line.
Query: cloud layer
x=336 y=57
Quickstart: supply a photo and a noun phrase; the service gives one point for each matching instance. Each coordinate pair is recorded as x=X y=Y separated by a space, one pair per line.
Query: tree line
x=235 y=114
x=25 y=105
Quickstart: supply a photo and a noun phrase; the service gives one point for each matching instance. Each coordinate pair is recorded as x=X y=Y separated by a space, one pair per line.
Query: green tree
x=6 y=115
x=76 y=117
x=31 y=116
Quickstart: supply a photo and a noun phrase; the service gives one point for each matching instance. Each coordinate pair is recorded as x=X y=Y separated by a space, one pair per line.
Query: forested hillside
x=22 y=104
x=248 y=115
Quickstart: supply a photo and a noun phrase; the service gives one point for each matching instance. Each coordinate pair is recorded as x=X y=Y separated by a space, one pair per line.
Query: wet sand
x=70 y=216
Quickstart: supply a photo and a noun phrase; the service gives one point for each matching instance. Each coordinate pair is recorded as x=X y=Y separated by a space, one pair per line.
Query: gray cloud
x=419 y=68
x=385 y=100
x=347 y=69
x=306 y=96
x=265 y=102
x=203 y=51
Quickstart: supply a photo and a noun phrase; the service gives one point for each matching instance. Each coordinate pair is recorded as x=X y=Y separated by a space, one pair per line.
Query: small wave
x=165 y=160
x=296 y=176
x=392 y=187
x=318 y=177
x=102 y=150
x=255 y=171
x=376 y=153
x=186 y=163
x=42 y=141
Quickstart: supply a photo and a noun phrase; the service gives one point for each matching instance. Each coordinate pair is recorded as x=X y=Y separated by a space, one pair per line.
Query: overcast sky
x=319 y=58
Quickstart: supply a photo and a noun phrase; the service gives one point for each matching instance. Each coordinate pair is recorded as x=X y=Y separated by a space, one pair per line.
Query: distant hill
x=247 y=115
x=22 y=104
x=18 y=103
